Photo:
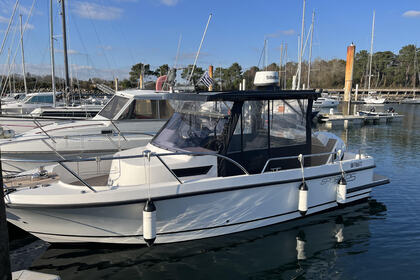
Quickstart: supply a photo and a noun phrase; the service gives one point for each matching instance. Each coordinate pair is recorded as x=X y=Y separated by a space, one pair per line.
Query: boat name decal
x=356 y=164
x=335 y=179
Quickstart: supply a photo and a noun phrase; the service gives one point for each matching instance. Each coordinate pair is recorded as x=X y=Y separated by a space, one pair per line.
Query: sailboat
x=370 y=99
x=19 y=116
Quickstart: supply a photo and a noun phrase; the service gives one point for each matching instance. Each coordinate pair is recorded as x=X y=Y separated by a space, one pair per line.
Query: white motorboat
x=29 y=103
x=224 y=163
x=411 y=101
x=326 y=102
x=390 y=112
x=128 y=120
x=13 y=97
x=18 y=116
x=374 y=100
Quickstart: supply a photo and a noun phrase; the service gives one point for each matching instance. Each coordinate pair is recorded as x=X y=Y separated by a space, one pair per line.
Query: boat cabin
x=135 y=105
x=40 y=98
x=249 y=127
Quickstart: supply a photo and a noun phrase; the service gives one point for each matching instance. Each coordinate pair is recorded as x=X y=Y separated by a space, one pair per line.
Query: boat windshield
x=195 y=126
x=113 y=107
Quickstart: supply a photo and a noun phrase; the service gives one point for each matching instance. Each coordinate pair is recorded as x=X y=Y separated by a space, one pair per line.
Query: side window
x=287 y=123
x=255 y=125
x=165 y=109
x=127 y=112
x=146 y=109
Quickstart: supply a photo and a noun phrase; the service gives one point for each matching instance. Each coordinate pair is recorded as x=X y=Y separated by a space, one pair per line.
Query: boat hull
x=189 y=216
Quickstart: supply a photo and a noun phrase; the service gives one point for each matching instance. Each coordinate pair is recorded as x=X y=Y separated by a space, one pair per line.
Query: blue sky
x=107 y=37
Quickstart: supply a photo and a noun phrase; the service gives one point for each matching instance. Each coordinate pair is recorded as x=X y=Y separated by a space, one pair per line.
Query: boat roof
x=47 y=93
x=246 y=95
x=143 y=94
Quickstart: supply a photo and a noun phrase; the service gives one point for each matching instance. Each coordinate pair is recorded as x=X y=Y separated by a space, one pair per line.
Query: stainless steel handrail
x=167 y=167
x=295 y=157
x=131 y=157
x=158 y=156
x=119 y=131
x=17 y=140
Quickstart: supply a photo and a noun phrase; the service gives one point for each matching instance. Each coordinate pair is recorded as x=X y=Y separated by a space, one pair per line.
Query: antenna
x=198 y=53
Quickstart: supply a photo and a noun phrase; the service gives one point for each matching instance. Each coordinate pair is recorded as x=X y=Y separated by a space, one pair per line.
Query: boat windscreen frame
x=224 y=168
x=117 y=114
x=260 y=156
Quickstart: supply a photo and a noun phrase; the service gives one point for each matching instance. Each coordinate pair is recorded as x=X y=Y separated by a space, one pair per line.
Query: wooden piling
x=211 y=76
x=349 y=72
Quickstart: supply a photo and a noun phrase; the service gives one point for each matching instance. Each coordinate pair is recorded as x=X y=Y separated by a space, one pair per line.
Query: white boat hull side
x=190 y=216
x=325 y=103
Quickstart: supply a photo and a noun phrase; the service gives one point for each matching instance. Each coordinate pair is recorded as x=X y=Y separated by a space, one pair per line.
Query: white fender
x=303 y=199
x=341 y=191
x=149 y=223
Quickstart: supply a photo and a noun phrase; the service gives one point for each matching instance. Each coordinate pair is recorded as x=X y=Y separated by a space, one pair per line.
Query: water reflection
x=289 y=250
x=398 y=134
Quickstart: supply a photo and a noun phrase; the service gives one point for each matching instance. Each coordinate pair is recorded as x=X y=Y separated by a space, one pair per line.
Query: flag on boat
x=206 y=79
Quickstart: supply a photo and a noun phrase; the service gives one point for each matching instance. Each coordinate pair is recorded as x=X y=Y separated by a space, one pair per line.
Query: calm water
x=379 y=239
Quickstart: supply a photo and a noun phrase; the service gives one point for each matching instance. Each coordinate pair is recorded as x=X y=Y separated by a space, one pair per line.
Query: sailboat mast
x=285 y=65
x=301 y=45
x=199 y=48
x=415 y=71
x=371 y=51
x=23 y=56
x=66 y=63
x=52 y=54
x=310 y=48
x=265 y=55
x=281 y=64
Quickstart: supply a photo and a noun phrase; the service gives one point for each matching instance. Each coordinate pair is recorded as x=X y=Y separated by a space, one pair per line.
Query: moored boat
x=223 y=163
x=128 y=120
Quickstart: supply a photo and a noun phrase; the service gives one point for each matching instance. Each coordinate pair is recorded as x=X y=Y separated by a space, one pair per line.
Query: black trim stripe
x=192 y=171
x=160 y=198
x=213 y=227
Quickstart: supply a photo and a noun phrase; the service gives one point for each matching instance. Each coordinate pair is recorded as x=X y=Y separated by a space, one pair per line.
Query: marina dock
x=333 y=120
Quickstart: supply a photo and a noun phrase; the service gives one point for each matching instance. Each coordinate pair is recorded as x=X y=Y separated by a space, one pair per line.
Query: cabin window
x=40 y=99
x=145 y=109
x=269 y=124
x=287 y=123
x=165 y=109
x=113 y=107
x=255 y=125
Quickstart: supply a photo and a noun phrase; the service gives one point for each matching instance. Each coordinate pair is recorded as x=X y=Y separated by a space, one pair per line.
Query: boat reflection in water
x=303 y=248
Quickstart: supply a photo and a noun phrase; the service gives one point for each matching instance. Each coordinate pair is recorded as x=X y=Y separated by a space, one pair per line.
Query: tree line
x=389 y=70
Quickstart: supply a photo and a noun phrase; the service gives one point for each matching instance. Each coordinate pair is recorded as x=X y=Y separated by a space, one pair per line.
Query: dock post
x=211 y=76
x=349 y=78
x=141 y=81
x=116 y=84
x=5 y=271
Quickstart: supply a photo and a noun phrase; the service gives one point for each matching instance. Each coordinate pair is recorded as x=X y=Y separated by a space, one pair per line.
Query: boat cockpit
x=248 y=127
